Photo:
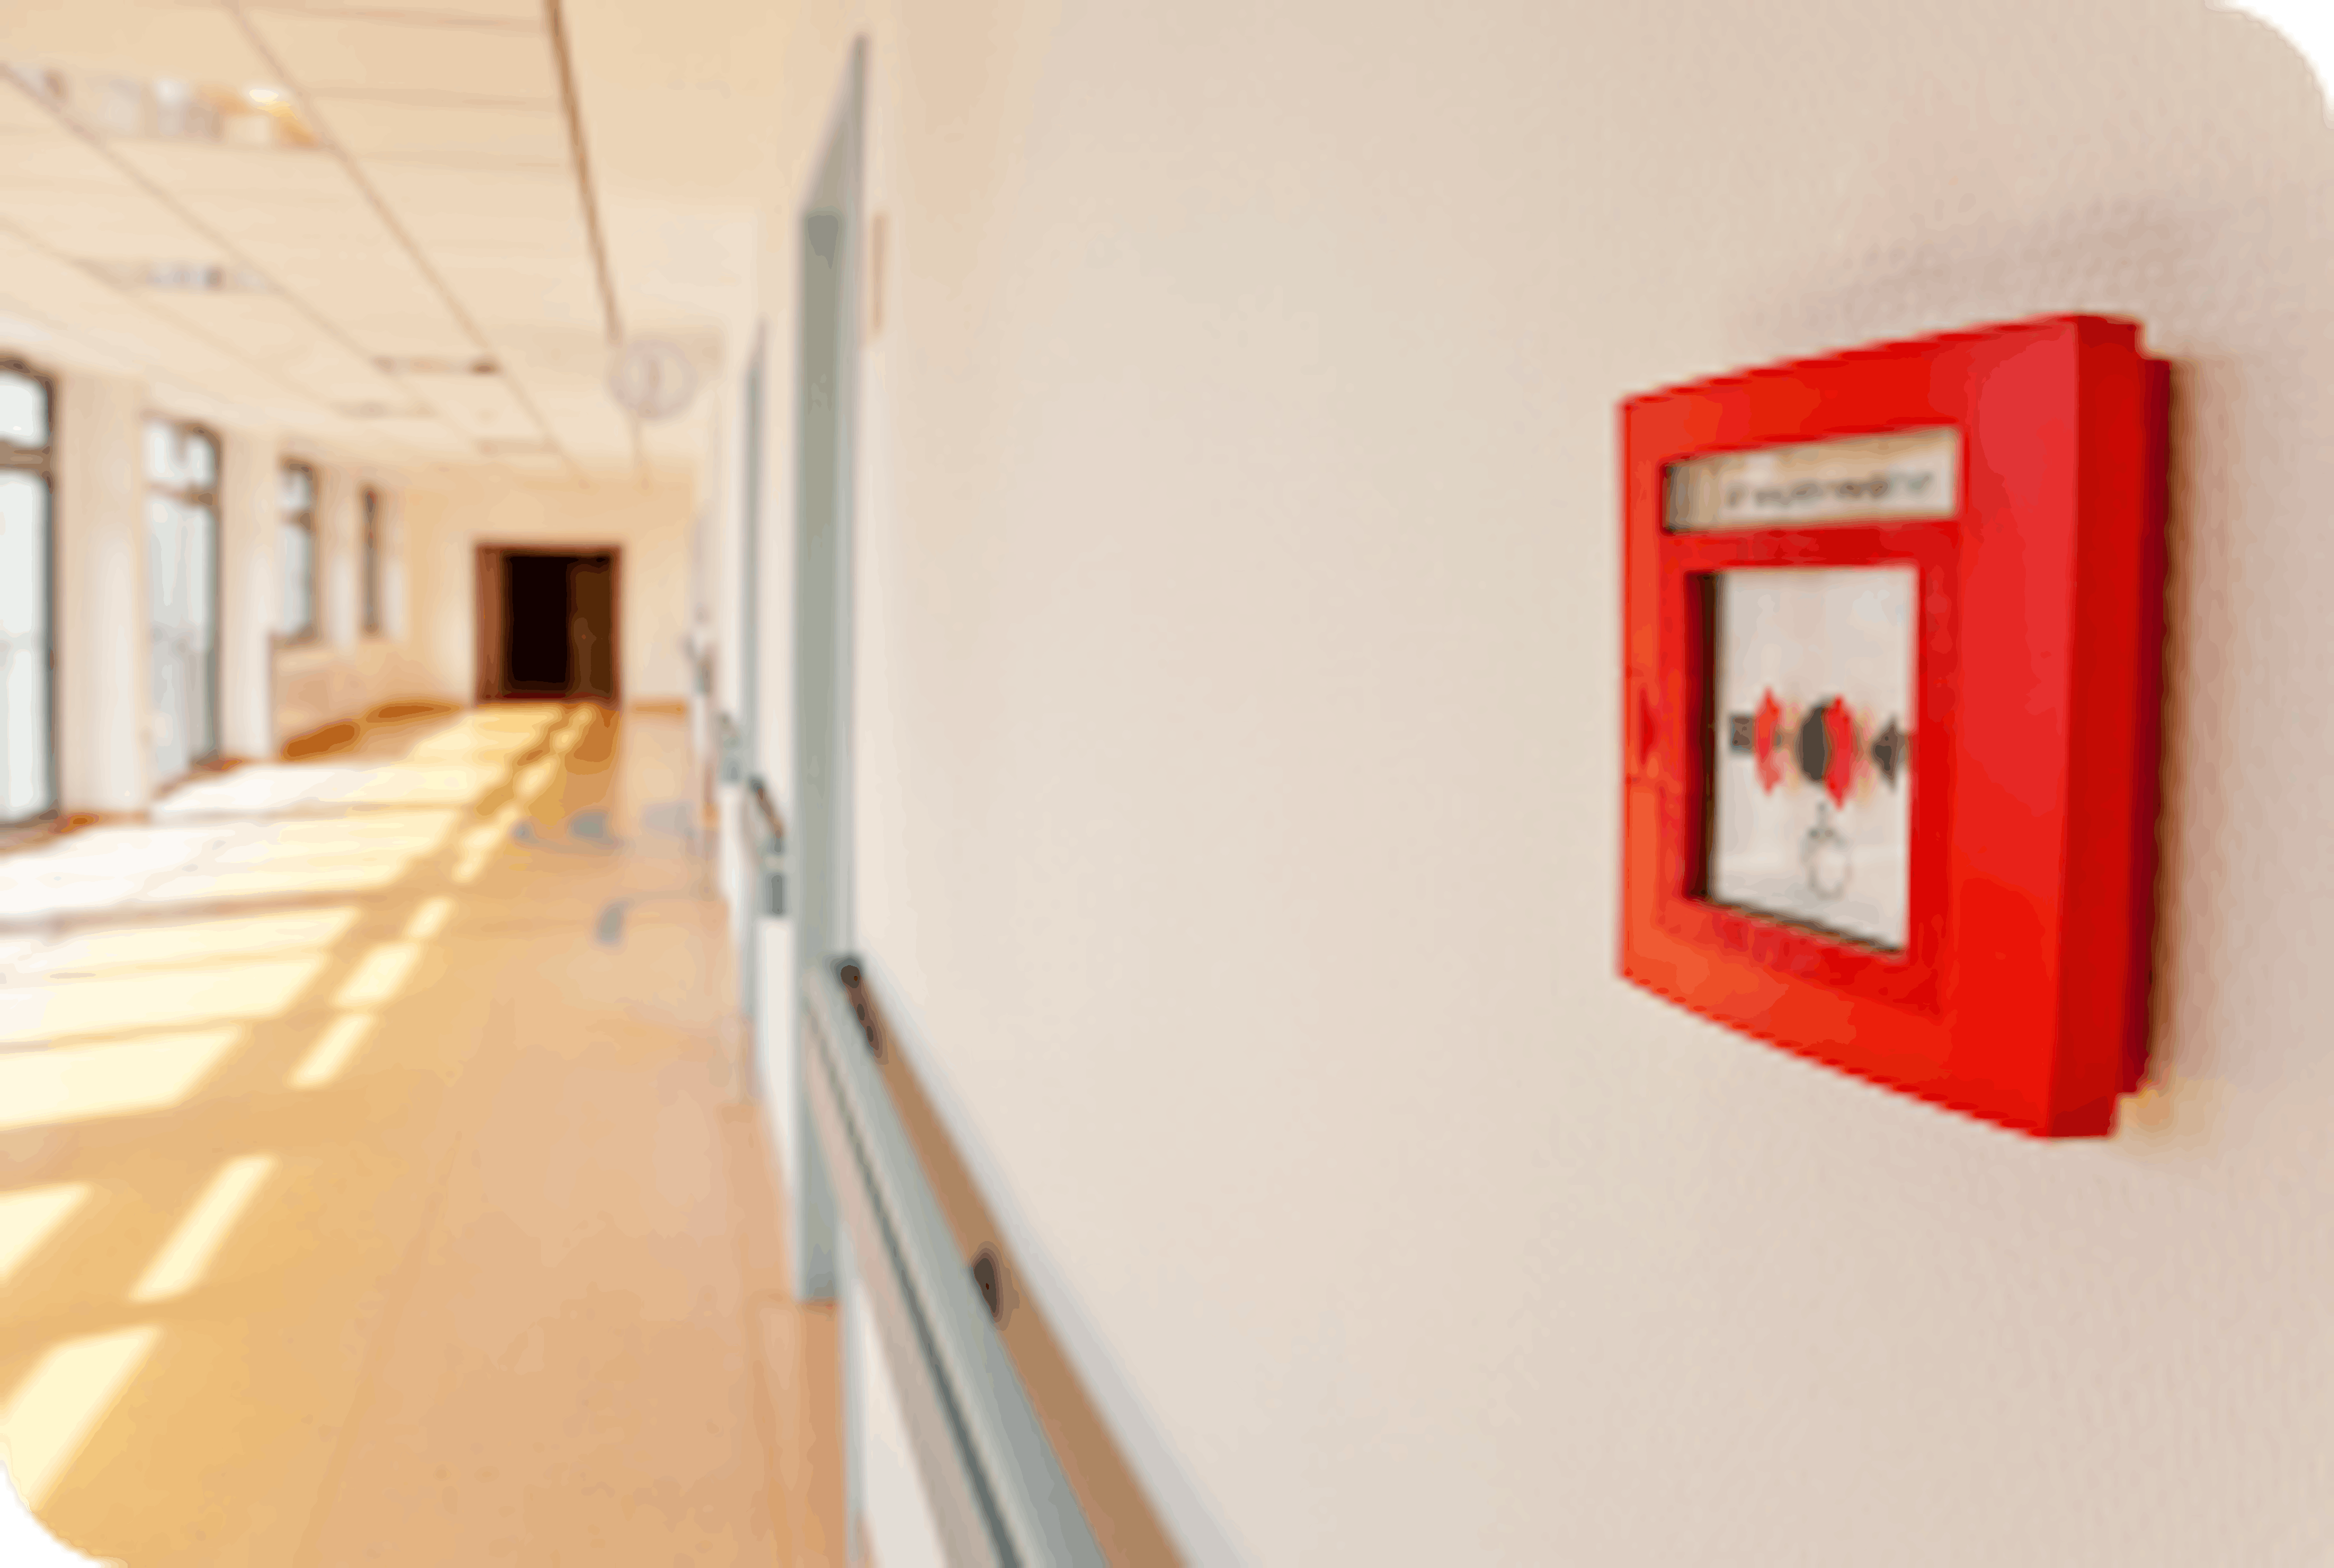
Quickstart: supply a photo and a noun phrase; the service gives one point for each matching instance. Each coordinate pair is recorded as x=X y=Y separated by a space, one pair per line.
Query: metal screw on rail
x=847 y=970
x=984 y=1278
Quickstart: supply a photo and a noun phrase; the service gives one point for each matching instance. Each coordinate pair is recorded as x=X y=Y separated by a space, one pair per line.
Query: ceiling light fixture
x=380 y=411
x=182 y=277
x=170 y=110
x=424 y=365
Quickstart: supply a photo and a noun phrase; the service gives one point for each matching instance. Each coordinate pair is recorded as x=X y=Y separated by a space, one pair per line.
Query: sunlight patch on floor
x=91 y=955
x=394 y=830
x=380 y=975
x=114 y=1078
x=187 y=1256
x=479 y=845
x=358 y=875
x=256 y=989
x=31 y=1214
x=59 y=1403
x=343 y=1038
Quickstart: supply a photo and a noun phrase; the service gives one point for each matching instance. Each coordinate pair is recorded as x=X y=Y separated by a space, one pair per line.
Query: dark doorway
x=547 y=624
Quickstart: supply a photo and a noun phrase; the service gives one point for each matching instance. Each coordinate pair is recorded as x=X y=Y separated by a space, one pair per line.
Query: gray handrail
x=997 y=1490
x=769 y=846
x=774 y=826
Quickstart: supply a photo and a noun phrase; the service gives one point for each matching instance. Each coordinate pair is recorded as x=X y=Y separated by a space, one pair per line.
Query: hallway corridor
x=377 y=1178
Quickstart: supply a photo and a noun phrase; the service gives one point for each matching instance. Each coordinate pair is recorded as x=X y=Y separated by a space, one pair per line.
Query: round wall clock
x=652 y=379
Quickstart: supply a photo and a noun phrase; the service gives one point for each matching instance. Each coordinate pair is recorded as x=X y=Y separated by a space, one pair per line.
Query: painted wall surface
x=345 y=672
x=892 y=1491
x=445 y=521
x=317 y=685
x=1237 y=669
x=103 y=637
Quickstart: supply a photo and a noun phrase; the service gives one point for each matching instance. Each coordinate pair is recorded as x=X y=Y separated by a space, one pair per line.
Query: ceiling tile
x=511 y=15
x=332 y=54
x=382 y=302
x=265 y=328
x=290 y=180
x=90 y=311
x=275 y=333
x=537 y=293
x=450 y=111
x=339 y=379
x=377 y=131
x=587 y=420
x=503 y=214
x=434 y=437
x=547 y=350
x=345 y=228
x=132 y=38
x=298 y=354
x=124 y=225
x=60 y=159
x=326 y=246
x=19 y=110
x=480 y=405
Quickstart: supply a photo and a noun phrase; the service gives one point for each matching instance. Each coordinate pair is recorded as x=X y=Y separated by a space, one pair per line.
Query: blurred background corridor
x=381 y=1119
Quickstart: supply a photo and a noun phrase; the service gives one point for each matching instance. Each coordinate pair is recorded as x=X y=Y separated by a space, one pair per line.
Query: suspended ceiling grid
x=441 y=222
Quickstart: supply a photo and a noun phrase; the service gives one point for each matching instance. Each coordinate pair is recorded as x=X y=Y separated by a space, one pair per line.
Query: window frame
x=303 y=519
x=41 y=462
x=209 y=496
x=369 y=544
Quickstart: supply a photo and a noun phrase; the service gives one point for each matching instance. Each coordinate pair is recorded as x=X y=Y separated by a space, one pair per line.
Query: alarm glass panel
x=1811 y=787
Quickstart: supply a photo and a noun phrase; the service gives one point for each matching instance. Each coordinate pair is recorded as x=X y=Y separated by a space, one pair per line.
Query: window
x=27 y=638
x=182 y=593
x=296 y=551
x=373 y=562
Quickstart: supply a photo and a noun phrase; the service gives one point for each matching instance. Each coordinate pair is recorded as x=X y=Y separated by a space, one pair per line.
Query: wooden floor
x=377 y=1180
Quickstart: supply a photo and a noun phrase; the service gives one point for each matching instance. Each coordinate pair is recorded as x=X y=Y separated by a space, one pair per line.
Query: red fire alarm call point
x=1893 y=622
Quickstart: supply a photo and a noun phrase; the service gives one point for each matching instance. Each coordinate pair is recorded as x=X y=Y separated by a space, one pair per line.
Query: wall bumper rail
x=996 y=1488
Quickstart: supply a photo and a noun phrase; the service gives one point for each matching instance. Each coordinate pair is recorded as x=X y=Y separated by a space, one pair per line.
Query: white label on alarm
x=1907 y=476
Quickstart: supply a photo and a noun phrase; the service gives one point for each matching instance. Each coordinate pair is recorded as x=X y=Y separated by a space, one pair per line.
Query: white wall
x=444 y=521
x=343 y=672
x=892 y=1492
x=1238 y=789
x=338 y=557
x=318 y=685
x=104 y=635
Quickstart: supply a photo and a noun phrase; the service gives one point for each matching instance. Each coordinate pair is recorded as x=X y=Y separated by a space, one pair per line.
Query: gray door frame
x=826 y=379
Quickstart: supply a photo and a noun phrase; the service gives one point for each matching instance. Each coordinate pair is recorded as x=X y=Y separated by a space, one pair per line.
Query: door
x=549 y=624
x=591 y=623
x=539 y=616
x=492 y=635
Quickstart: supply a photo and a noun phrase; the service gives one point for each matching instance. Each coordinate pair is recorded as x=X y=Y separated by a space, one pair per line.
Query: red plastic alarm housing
x=1954 y=896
